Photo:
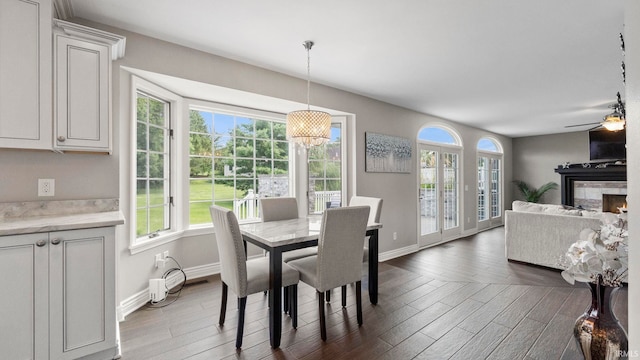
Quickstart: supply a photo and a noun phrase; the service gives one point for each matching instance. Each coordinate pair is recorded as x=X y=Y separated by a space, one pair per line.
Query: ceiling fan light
x=613 y=122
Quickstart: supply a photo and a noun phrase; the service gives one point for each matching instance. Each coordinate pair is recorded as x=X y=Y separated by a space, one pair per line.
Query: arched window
x=439 y=135
x=486 y=144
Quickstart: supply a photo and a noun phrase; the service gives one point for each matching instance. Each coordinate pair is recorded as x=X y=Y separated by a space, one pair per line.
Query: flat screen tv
x=607 y=145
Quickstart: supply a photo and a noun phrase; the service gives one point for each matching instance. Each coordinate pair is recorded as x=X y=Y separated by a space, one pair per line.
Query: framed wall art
x=386 y=153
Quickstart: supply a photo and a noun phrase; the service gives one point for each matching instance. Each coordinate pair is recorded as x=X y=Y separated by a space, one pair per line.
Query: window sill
x=149 y=243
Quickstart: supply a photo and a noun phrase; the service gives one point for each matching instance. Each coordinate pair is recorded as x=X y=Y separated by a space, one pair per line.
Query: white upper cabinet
x=25 y=74
x=82 y=78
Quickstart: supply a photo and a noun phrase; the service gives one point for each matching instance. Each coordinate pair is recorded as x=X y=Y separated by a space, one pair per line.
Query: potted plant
x=532 y=194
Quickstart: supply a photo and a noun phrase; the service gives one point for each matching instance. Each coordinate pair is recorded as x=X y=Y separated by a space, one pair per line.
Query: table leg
x=373 y=267
x=275 y=298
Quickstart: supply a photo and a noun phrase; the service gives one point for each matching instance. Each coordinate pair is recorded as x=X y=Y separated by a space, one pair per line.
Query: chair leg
x=344 y=295
x=285 y=300
x=359 y=301
x=328 y=295
x=323 y=325
x=243 y=306
x=293 y=306
x=223 y=306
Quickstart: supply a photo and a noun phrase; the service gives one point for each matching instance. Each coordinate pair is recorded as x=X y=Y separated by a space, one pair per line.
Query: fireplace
x=611 y=202
x=593 y=180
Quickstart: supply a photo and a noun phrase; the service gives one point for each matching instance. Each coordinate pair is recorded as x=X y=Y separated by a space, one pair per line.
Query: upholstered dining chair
x=244 y=277
x=284 y=208
x=375 y=205
x=374 y=214
x=339 y=259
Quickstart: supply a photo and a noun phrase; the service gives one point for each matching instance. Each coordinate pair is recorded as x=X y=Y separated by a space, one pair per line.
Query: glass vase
x=598 y=332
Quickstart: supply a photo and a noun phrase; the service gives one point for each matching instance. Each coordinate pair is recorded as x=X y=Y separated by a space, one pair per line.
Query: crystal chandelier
x=308 y=127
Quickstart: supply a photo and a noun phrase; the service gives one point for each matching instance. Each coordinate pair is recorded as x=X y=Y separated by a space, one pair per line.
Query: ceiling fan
x=612 y=122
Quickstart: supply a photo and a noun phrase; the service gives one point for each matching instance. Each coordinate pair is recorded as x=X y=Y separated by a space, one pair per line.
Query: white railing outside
x=247 y=208
x=323 y=197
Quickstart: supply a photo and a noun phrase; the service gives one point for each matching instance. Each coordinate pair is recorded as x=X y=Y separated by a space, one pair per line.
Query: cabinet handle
x=41 y=243
x=61 y=138
x=55 y=241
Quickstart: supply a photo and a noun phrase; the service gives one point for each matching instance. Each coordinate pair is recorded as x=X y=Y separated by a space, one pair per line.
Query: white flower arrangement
x=600 y=255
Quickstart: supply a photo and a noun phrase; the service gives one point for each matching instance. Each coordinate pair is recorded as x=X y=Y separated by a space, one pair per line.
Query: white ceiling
x=514 y=67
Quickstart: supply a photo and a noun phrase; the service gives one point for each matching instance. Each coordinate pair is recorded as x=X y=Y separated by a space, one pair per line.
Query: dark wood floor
x=460 y=300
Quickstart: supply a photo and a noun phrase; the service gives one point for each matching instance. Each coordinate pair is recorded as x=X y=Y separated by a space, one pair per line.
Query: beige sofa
x=540 y=234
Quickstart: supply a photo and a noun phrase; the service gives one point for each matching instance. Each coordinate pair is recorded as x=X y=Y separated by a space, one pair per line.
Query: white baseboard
x=392 y=254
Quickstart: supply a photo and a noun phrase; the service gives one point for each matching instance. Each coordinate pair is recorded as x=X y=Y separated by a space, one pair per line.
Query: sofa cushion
x=553 y=209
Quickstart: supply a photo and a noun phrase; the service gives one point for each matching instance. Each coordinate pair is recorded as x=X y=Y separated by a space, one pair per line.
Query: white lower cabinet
x=58 y=295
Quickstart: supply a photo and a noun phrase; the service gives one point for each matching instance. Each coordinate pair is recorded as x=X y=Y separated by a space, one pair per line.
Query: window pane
x=244 y=147
x=156 y=165
x=141 y=140
x=223 y=190
x=142 y=225
x=200 y=121
x=201 y=189
x=316 y=169
x=244 y=168
x=264 y=167
x=200 y=144
x=438 y=135
x=280 y=167
x=156 y=138
x=263 y=129
x=156 y=192
x=142 y=110
x=279 y=131
x=244 y=127
x=487 y=145
x=141 y=164
x=244 y=188
x=281 y=150
x=156 y=112
x=141 y=193
x=263 y=148
x=200 y=167
x=223 y=124
x=199 y=212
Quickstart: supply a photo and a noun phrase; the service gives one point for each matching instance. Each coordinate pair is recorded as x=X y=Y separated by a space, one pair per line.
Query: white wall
x=632 y=62
x=536 y=157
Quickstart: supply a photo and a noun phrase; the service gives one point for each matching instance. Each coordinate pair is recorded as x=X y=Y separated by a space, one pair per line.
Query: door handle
x=41 y=243
x=55 y=241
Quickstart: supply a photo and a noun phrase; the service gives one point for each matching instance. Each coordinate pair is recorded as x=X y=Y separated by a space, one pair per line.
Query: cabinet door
x=24 y=302
x=82 y=95
x=82 y=292
x=25 y=74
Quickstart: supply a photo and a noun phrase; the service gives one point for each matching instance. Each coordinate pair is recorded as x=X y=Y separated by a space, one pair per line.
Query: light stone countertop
x=42 y=216
x=38 y=224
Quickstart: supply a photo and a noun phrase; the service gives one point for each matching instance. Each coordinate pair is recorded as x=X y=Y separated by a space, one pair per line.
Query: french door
x=489 y=190
x=438 y=194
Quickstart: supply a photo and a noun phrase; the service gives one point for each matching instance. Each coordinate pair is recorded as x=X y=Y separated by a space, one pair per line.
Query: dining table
x=279 y=236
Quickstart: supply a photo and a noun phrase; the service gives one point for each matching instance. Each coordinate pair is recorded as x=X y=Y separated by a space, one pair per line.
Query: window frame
x=138 y=244
x=214 y=107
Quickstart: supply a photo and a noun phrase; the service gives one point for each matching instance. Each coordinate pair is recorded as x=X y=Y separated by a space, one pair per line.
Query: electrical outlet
x=395 y=235
x=165 y=255
x=159 y=261
x=46 y=187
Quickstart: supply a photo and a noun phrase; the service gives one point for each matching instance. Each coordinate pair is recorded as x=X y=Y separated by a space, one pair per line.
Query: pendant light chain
x=308 y=45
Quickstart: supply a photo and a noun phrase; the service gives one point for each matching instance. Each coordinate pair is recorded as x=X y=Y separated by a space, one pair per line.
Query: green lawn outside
x=199 y=190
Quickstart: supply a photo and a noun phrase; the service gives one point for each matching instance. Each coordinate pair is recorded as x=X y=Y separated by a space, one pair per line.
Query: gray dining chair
x=339 y=259
x=244 y=277
x=374 y=215
x=375 y=205
x=284 y=208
